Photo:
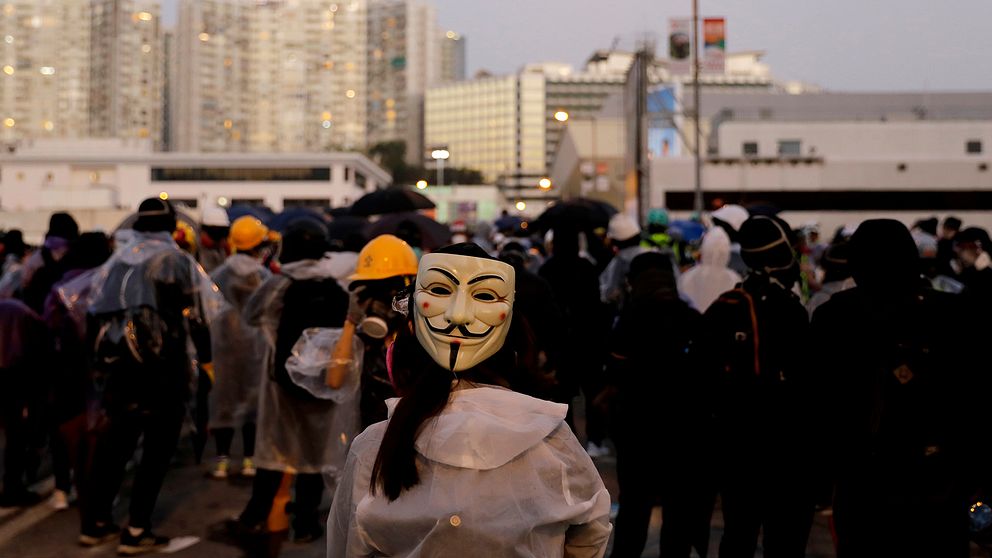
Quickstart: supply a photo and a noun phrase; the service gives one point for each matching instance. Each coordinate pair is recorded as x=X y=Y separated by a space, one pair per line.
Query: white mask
x=463 y=308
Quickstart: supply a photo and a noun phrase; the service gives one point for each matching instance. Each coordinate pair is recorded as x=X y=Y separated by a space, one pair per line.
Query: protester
x=836 y=275
x=386 y=269
x=12 y=251
x=22 y=353
x=904 y=403
x=730 y=217
x=214 y=246
x=753 y=351
x=974 y=263
x=494 y=472
x=70 y=386
x=238 y=348
x=294 y=427
x=945 y=245
x=711 y=277
x=148 y=301
x=656 y=384
x=575 y=285
x=624 y=235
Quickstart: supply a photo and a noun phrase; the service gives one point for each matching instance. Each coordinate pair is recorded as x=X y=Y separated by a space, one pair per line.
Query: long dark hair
x=425 y=387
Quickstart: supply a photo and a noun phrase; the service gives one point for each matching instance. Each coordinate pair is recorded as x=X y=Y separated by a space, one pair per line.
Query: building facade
x=452 y=57
x=270 y=76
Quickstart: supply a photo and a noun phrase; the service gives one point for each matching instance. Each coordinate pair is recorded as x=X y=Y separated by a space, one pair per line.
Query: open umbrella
x=684 y=229
x=293 y=214
x=580 y=213
x=261 y=213
x=408 y=226
x=348 y=232
x=394 y=199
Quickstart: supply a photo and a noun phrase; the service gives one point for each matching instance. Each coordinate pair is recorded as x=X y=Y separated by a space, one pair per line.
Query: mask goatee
x=454 y=355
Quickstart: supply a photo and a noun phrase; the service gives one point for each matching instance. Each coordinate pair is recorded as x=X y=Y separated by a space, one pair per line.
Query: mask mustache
x=461 y=329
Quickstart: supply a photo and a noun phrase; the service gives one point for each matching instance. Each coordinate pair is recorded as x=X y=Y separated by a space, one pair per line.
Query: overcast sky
x=840 y=44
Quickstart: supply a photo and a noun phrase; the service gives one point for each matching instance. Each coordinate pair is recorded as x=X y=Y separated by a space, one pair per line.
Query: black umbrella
x=293 y=214
x=580 y=213
x=409 y=226
x=348 y=232
x=394 y=199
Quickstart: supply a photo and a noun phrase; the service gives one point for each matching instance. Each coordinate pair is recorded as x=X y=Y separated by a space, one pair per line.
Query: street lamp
x=561 y=116
x=521 y=206
x=421 y=184
x=440 y=156
x=544 y=183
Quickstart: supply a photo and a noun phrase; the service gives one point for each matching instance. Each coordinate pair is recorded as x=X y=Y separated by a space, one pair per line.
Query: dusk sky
x=841 y=45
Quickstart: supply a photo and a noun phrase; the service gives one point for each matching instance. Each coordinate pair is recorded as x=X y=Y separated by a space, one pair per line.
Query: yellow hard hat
x=383 y=257
x=248 y=232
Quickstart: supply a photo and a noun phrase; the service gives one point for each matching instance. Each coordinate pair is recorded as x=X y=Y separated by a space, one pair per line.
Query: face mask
x=463 y=308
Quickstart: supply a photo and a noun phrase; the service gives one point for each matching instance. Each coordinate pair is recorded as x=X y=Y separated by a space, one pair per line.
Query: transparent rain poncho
x=239 y=351
x=501 y=475
x=296 y=434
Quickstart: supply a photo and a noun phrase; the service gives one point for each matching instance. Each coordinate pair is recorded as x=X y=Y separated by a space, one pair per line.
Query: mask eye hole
x=439 y=290
x=484 y=296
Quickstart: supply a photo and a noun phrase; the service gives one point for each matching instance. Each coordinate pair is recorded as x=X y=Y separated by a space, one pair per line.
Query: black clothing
x=307 y=494
x=753 y=351
x=224 y=437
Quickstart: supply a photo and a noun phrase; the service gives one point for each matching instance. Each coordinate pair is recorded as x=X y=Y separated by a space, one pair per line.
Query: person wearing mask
x=22 y=352
x=836 y=275
x=238 y=348
x=465 y=464
x=730 y=217
x=70 y=386
x=904 y=403
x=753 y=351
x=624 y=235
x=711 y=277
x=575 y=285
x=657 y=386
x=294 y=427
x=148 y=303
x=214 y=246
x=44 y=268
x=386 y=268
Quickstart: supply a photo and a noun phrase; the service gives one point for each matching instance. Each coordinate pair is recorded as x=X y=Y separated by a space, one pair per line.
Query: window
x=789 y=148
x=749 y=148
x=251 y=202
x=359 y=179
x=973 y=147
x=306 y=202
x=240 y=174
x=191 y=203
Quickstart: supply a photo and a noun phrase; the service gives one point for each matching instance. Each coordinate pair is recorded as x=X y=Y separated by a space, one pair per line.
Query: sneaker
x=98 y=534
x=248 y=468
x=59 y=500
x=144 y=542
x=221 y=468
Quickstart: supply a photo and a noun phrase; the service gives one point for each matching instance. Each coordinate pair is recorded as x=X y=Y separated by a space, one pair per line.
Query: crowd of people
x=438 y=394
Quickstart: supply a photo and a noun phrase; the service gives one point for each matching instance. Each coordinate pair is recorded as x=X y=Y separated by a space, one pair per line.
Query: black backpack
x=307 y=303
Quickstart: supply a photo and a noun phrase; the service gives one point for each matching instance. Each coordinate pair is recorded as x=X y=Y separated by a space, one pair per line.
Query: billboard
x=680 y=46
x=714 y=45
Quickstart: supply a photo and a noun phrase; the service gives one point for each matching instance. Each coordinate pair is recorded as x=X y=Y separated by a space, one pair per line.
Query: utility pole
x=698 y=199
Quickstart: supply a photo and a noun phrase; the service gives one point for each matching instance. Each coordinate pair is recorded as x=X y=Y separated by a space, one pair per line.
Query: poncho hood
x=484 y=428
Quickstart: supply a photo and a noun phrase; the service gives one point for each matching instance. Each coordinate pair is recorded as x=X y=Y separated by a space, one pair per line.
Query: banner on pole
x=714 y=45
x=680 y=46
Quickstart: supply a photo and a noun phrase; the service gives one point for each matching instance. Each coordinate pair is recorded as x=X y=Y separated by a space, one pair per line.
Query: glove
x=356 y=308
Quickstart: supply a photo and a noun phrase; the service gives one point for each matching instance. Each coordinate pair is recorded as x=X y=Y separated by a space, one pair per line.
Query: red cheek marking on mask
x=427 y=305
x=502 y=315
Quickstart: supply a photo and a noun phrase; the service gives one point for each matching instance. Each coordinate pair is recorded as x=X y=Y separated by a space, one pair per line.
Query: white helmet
x=215 y=216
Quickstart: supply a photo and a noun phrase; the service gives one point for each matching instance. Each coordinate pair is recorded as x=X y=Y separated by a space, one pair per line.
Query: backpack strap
x=734 y=297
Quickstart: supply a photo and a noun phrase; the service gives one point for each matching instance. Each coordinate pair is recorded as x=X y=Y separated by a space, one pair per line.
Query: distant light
x=144 y=16
x=326 y=115
x=521 y=206
x=48 y=125
x=544 y=183
x=333 y=8
x=452 y=35
x=561 y=116
x=440 y=154
x=9 y=122
x=146 y=48
x=350 y=93
x=328 y=25
x=47 y=71
x=223 y=202
x=228 y=124
x=9 y=39
x=524 y=225
x=8 y=69
x=163 y=195
x=326 y=124
x=36 y=22
x=421 y=184
x=204 y=37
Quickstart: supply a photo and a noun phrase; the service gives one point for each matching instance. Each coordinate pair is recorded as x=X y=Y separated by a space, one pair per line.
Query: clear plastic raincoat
x=302 y=435
x=709 y=279
x=239 y=353
x=501 y=474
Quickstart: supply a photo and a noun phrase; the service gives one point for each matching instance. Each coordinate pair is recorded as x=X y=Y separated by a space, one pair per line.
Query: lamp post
x=440 y=156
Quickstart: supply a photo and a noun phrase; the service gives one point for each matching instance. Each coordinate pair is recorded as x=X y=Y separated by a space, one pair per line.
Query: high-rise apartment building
x=44 y=68
x=276 y=75
x=509 y=127
x=403 y=62
x=452 y=57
